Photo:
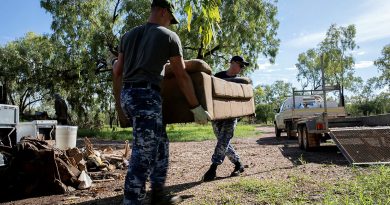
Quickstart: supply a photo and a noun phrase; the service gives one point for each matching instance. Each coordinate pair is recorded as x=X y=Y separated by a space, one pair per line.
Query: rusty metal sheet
x=363 y=145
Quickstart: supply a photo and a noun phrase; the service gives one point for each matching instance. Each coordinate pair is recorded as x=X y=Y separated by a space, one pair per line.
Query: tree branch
x=200 y=49
x=210 y=52
x=115 y=15
x=190 y=48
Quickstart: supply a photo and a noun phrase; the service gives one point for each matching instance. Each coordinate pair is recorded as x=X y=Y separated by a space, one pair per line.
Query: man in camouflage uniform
x=143 y=52
x=224 y=129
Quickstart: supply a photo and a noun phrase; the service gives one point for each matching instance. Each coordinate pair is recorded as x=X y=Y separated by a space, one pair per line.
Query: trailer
x=362 y=140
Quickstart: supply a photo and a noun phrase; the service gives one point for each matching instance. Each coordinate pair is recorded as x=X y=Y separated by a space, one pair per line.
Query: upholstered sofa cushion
x=227 y=89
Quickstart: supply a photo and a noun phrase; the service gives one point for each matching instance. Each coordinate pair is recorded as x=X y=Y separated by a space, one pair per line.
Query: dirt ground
x=265 y=157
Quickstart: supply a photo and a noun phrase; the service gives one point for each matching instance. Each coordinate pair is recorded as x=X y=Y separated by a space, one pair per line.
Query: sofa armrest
x=175 y=105
x=242 y=80
x=192 y=66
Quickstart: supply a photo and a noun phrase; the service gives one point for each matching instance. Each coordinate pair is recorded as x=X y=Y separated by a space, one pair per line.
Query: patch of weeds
x=264 y=191
x=371 y=186
x=301 y=160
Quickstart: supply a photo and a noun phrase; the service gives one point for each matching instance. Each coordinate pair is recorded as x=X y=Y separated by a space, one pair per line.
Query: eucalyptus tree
x=383 y=64
x=247 y=28
x=337 y=58
x=85 y=30
x=309 y=69
x=25 y=69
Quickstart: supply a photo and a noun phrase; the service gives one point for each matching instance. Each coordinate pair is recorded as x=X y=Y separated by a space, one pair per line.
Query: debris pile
x=35 y=168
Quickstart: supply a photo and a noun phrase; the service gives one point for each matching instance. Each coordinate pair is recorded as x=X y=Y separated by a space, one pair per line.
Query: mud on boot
x=238 y=169
x=211 y=173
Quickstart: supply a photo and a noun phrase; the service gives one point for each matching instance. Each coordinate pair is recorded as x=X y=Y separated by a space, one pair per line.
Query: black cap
x=168 y=5
x=239 y=60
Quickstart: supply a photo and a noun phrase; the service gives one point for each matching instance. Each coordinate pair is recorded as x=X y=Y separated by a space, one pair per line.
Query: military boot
x=211 y=173
x=158 y=197
x=238 y=169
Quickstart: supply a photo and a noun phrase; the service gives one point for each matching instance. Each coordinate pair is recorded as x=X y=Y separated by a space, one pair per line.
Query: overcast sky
x=303 y=24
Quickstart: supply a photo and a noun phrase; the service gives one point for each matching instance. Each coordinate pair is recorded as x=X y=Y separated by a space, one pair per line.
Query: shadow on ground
x=117 y=200
x=327 y=153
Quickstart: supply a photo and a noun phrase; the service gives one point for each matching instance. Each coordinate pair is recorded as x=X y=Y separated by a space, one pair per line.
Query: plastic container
x=66 y=137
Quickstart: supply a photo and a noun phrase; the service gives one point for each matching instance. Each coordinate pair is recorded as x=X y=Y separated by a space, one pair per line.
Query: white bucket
x=66 y=137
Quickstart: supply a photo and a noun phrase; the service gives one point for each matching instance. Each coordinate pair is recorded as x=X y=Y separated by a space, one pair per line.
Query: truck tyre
x=290 y=132
x=277 y=131
x=310 y=141
x=300 y=137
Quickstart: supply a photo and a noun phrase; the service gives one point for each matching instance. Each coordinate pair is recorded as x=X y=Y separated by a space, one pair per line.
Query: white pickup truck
x=297 y=108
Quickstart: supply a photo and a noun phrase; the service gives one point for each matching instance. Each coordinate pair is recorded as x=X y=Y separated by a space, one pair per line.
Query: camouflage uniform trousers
x=149 y=157
x=224 y=131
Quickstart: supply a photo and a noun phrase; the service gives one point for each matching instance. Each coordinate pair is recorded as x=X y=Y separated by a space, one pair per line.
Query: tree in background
x=86 y=31
x=26 y=68
x=366 y=102
x=270 y=97
x=383 y=64
x=309 y=69
x=337 y=58
x=248 y=30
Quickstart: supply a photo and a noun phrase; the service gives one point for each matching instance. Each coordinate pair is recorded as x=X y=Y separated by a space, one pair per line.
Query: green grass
x=369 y=186
x=176 y=132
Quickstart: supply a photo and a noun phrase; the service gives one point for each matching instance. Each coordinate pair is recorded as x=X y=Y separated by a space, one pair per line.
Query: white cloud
x=358 y=53
x=374 y=22
x=265 y=66
x=292 y=68
x=363 y=64
x=307 y=40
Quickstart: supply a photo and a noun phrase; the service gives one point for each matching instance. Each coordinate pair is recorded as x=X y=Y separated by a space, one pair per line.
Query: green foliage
x=265 y=113
x=372 y=188
x=273 y=94
x=369 y=104
x=336 y=57
x=309 y=69
x=26 y=70
x=383 y=64
x=270 y=97
x=242 y=30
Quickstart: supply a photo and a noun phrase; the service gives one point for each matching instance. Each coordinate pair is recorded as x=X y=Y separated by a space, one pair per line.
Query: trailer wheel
x=300 y=137
x=310 y=141
x=277 y=131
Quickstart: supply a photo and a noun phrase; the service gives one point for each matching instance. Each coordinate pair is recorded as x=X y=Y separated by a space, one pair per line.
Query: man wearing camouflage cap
x=224 y=129
x=143 y=52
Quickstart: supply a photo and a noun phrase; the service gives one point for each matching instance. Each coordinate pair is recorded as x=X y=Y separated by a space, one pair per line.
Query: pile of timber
x=34 y=168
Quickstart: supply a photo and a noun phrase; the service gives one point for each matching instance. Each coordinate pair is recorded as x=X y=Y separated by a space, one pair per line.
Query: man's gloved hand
x=200 y=115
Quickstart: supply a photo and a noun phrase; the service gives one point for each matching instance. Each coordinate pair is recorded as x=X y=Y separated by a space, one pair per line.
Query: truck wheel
x=290 y=132
x=277 y=131
x=300 y=137
x=310 y=141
